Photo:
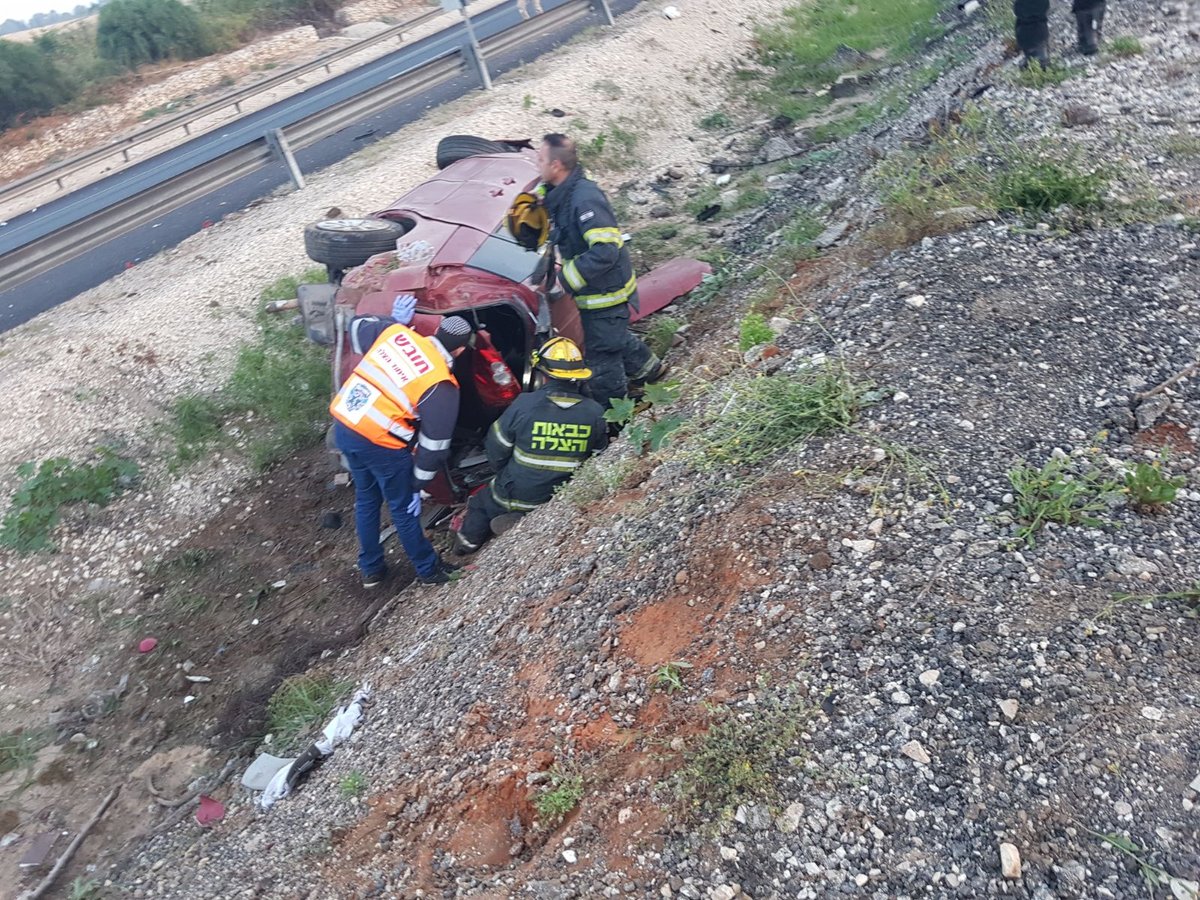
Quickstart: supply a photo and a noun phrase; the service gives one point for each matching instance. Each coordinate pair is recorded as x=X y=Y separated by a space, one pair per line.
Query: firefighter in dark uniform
x=1033 y=32
x=537 y=444
x=596 y=271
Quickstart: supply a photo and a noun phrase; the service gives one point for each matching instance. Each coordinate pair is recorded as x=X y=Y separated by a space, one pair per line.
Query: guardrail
x=150 y=188
x=59 y=172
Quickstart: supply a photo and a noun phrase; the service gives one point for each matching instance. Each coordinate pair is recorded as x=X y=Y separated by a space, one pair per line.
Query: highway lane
x=26 y=300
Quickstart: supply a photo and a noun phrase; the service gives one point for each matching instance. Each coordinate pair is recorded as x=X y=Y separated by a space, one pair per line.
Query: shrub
x=134 y=32
x=561 y=796
x=1033 y=185
x=30 y=83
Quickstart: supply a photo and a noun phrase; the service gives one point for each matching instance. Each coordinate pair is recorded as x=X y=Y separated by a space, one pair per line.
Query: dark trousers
x=383 y=474
x=477 y=522
x=614 y=354
x=1032 y=28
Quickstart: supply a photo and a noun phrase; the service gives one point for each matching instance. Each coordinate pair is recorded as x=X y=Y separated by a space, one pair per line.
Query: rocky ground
x=883 y=690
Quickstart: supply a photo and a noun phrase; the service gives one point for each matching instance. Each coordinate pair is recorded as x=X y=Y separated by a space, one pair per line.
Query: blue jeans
x=381 y=473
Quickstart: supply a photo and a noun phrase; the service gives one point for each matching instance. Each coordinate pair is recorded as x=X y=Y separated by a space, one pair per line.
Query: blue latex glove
x=403 y=308
x=414 y=508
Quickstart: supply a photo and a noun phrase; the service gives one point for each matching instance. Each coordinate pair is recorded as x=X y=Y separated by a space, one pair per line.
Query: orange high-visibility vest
x=379 y=399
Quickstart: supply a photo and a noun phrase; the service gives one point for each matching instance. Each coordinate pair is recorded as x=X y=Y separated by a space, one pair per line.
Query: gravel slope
x=938 y=689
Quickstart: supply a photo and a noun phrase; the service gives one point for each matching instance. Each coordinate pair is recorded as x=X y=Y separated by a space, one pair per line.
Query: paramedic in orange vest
x=394 y=417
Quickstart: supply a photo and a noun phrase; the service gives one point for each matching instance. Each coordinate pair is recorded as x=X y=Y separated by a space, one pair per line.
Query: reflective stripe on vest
x=604 y=301
x=379 y=399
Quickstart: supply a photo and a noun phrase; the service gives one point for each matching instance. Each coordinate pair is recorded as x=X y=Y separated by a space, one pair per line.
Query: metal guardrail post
x=278 y=143
x=471 y=47
x=606 y=11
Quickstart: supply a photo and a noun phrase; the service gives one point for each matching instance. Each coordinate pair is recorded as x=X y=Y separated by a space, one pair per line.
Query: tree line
x=74 y=68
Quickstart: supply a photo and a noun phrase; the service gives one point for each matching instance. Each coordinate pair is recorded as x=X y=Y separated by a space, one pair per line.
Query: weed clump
x=736 y=761
x=19 y=749
x=1033 y=185
x=562 y=795
x=301 y=703
x=767 y=414
x=37 y=505
x=1149 y=489
x=1054 y=493
x=753 y=331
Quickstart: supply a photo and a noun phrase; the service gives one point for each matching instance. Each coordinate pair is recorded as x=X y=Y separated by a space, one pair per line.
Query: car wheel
x=458 y=147
x=345 y=243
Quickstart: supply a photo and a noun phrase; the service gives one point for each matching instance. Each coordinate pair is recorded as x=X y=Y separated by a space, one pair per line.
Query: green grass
x=279 y=390
x=1041 y=185
x=613 y=148
x=595 y=480
x=803 y=48
x=19 y=749
x=1036 y=76
x=753 y=331
x=715 y=121
x=301 y=704
x=763 y=415
x=353 y=784
x=661 y=335
x=976 y=163
x=1125 y=45
x=1055 y=493
x=1182 y=144
x=737 y=761
x=799 y=234
x=562 y=795
x=36 y=507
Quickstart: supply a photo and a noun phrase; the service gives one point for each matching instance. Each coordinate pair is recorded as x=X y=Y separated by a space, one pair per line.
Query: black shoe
x=375 y=579
x=448 y=567
x=505 y=522
x=438 y=576
x=1089 y=43
x=463 y=547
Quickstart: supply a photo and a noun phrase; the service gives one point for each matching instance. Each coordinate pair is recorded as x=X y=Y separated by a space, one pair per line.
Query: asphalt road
x=21 y=303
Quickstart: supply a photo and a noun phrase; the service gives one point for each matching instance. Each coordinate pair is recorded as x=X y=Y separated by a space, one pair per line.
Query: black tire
x=343 y=244
x=457 y=147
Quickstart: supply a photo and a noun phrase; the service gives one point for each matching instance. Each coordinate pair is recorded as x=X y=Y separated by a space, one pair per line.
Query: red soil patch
x=1165 y=435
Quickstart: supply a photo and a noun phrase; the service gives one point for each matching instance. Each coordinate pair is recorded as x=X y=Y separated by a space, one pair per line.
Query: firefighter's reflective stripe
x=571 y=274
x=603 y=301
x=512 y=505
x=552 y=463
x=426 y=444
x=420 y=474
x=595 y=236
x=379 y=399
x=645 y=371
x=499 y=435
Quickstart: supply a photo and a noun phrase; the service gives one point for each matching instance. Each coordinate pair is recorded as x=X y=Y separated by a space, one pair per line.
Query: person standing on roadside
x=596 y=271
x=402 y=397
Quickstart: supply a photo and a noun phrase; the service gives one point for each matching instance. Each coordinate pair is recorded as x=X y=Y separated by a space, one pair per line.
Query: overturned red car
x=447 y=243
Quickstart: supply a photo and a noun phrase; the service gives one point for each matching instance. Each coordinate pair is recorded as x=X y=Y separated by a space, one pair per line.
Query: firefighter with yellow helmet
x=537 y=444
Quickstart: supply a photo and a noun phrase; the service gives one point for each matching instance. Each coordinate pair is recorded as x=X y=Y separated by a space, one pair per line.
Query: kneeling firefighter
x=537 y=444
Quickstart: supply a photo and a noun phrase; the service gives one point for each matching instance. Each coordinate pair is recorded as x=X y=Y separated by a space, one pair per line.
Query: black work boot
x=1089 y=38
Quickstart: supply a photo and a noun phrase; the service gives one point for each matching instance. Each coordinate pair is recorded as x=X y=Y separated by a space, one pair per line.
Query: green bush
x=134 y=32
x=37 y=505
x=30 y=82
x=1055 y=493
